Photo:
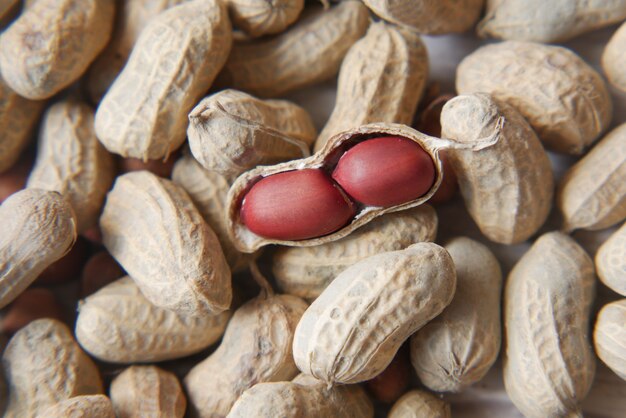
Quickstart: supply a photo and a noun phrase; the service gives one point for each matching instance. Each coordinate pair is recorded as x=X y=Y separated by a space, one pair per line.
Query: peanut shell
x=610 y=336
x=85 y=406
x=419 y=404
x=611 y=261
x=614 y=58
x=262 y=17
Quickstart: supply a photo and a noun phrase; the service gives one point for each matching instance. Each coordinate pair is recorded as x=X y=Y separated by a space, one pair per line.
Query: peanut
x=611 y=261
x=565 y=100
x=158 y=167
x=507 y=188
x=85 y=406
x=262 y=17
x=381 y=79
x=38 y=228
x=147 y=391
x=44 y=365
x=592 y=194
x=352 y=331
x=72 y=161
x=119 y=325
x=151 y=227
x=256 y=348
x=29 y=306
x=548 y=364
x=307 y=271
x=173 y=64
x=609 y=336
x=52 y=44
x=614 y=58
x=231 y=132
x=392 y=383
x=458 y=348
x=310 y=52
x=419 y=404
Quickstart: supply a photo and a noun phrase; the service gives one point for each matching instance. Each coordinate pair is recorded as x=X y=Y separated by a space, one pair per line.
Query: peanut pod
x=260 y=17
x=84 y=406
x=614 y=59
x=419 y=404
x=609 y=336
x=611 y=261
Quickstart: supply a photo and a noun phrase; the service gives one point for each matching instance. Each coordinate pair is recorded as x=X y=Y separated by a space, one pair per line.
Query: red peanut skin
x=32 y=304
x=385 y=171
x=296 y=205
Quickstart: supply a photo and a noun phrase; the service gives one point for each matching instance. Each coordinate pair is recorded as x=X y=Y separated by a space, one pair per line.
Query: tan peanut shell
x=247 y=241
x=611 y=261
x=309 y=52
x=548 y=364
x=507 y=188
x=256 y=348
x=302 y=398
x=44 y=365
x=85 y=406
x=118 y=324
x=457 y=348
x=609 y=336
x=381 y=79
x=147 y=391
x=592 y=194
x=419 y=404
x=614 y=58
x=262 y=17
x=72 y=161
x=231 y=132
x=172 y=65
x=151 y=227
x=208 y=190
x=52 y=43
x=427 y=16
x=307 y=271
x=132 y=17
x=548 y=21
x=352 y=331
x=565 y=100
x=38 y=228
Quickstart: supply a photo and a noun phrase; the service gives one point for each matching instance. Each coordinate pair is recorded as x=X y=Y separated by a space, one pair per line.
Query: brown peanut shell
x=611 y=261
x=609 y=336
x=262 y=17
x=84 y=406
x=419 y=404
x=614 y=58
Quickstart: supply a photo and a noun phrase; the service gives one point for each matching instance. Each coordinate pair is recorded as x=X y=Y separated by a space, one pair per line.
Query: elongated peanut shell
x=381 y=79
x=85 y=406
x=173 y=64
x=256 y=348
x=262 y=17
x=307 y=271
x=592 y=194
x=548 y=363
x=609 y=336
x=457 y=348
x=308 y=53
x=352 y=331
x=548 y=21
x=38 y=227
x=119 y=325
x=72 y=161
x=419 y=404
x=565 y=100
x=52 y=43
x=507 y=188
x=231 y=132
x=611 y=261
x=427 y=16
x=147 y=391
x=151 y=227
x=614 y=58
x=44 y=365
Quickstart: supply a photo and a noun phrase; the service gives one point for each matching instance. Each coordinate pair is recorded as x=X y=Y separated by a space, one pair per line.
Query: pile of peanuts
x=177 y=239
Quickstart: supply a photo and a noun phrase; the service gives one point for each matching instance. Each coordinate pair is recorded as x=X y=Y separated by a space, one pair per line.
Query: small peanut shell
x=381 y=79
x=52 y=43
x=262 y=17
x=352 y=331
x=118 y=324
x=147 y=391
x=565 y=100
x=507 y=188
x=419 y=404
x=38 y=227
x=85 y=406
x=592 y=194
x=614 y=58
x=44 y=365
x=173 y=64
x=72 y=161
x=609 y=336
x=549 y=364
x=256 y=348
x=458 y=348
x=308 y=53
x=611 y=261
x=307 y=271
x=231 y=132
x=151 y=227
